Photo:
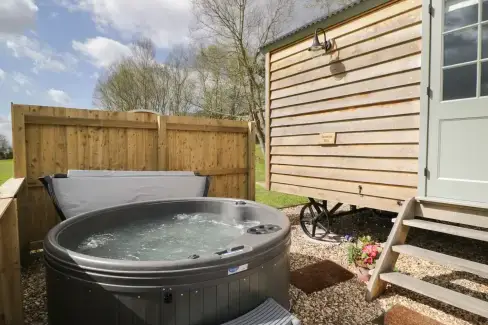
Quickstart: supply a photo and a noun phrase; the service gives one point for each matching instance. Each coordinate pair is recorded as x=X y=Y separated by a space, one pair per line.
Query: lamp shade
x=316 y=45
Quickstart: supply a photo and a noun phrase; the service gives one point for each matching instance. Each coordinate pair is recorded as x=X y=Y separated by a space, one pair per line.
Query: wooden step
x=453 y=298
x=443 y=259
x=457 y=203
x=447 y=210
x=447 y=229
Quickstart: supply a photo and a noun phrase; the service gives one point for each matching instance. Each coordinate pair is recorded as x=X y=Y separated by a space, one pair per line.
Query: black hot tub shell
x=210 y=289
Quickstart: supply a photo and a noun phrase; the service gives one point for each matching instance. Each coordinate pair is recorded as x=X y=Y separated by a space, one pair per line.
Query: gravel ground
x=344 y=303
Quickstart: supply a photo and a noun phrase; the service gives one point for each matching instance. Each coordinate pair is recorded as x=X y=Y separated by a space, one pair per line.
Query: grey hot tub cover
x=72 y=196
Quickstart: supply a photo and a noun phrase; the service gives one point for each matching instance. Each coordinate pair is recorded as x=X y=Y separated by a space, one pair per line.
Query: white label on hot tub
x=237 y=269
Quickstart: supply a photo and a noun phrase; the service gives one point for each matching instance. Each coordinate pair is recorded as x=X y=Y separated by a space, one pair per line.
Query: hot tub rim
x=52 y=248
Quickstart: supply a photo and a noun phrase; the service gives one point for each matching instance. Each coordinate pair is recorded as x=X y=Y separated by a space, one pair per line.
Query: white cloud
x=164 y=21
x=28 y=92
x=2 y=75
x=53 y=15
x=42 y=55
x=102 y=51
x=17 y=15
x=95 y=76
x=59 y=96
x=21 y=79
x=6 y=127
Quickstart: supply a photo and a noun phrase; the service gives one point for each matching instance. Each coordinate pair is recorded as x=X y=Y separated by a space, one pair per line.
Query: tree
x=220 y=88
x=140 y=82
x=241 y=27
x=5 y=148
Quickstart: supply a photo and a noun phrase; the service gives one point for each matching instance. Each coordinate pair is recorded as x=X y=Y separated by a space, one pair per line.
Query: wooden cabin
x=344 y=125
x=394 y=116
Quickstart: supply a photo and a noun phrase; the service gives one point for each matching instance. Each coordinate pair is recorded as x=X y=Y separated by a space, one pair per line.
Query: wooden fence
x=10 y=286
x=49 y=140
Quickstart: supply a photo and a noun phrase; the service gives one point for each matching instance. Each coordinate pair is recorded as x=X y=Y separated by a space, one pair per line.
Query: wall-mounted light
x=317 y=46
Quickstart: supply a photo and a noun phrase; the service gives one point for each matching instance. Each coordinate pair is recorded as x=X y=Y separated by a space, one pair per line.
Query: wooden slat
x=10 y=283
x=94 y=122
x=450 y=297
x=382 y=69
x=358 y=23
x=453 y=203
x=162 y=144
x=190 y=120
x=443 y=259
x=382 y=110
x=222 y=171
x=388 y=257
x=448 y=229
x=404 y=122
x=400 y=165
x=11 y=187
x=390 y=81
x=373 y=151
x=381 y=137
x=347 y=198
x=345 y=66
x=391 y=192
x=377 y=97
x=454 y=214
x=251 y=147
x=363 y=176
x=267 y=126
x=206 y=128
x=18 y=141
x=308 y=60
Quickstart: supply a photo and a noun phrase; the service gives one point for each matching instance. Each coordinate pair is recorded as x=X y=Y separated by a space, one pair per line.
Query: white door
x=457 y=158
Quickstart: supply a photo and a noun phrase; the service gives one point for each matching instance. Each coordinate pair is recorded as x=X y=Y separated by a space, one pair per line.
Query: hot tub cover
x=76 y=195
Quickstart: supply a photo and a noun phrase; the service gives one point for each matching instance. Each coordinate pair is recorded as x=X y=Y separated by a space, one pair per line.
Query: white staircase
x=438 y=211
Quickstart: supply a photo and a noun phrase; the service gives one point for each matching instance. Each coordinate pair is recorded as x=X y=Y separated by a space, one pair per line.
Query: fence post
x=251 y=146
x=162 y=143
x=18 y=141
x=10 y=283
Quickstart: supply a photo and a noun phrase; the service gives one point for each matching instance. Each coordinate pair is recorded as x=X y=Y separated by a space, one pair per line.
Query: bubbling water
x=167 y=239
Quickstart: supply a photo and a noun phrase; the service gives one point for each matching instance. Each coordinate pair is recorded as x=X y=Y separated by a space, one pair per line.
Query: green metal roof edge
x=334 y=18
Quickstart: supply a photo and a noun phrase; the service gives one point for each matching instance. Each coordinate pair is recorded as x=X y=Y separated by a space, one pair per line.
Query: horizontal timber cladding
x=380 y=177
x=395 y=66
x=374 y=124
x=393 y=10
x=344 y=197
x=352 y=113
x=387 y=164
x=366 y=92
x=338 y=67
x=379 y=190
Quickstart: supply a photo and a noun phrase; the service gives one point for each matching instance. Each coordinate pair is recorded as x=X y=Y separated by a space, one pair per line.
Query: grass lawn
x=274 y=199
x=6 y=170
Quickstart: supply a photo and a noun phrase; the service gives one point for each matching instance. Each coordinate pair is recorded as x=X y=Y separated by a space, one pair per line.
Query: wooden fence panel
x=50 y=140
x=10 y=285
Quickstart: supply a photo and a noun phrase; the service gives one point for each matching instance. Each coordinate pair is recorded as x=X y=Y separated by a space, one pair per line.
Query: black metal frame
x=323 y=213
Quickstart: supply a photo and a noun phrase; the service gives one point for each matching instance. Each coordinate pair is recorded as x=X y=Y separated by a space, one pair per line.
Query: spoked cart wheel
x=314 y=219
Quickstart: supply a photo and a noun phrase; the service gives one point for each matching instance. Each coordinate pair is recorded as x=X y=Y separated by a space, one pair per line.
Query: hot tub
x=171 y=262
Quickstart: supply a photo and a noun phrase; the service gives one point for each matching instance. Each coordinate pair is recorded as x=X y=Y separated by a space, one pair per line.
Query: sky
x=52 y=51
